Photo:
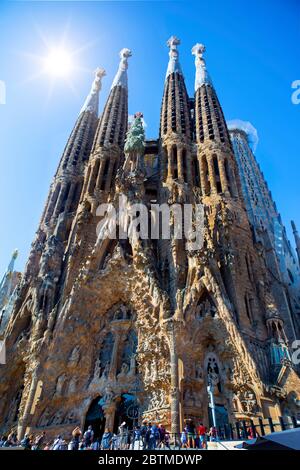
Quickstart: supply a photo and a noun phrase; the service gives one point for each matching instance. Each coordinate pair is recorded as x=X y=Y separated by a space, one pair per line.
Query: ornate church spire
x=67 y=185
x=6 y=282
x=202 y=75
x=215 y=156
x=174 y=65
x=92 y=101
x=297 y=239
x=113 y=124
x=175 y=121
x=121 y=75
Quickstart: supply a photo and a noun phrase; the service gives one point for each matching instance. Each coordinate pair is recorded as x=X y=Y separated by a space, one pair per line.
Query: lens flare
x=58 y=63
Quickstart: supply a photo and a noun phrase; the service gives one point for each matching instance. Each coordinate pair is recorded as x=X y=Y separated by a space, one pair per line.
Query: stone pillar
x=202 y=176
x=175 y=411
x=109 y=175
x=100 y=174
x=52 y=202
x=60 y=200
x=180 y=162
x=212 y=176
x=24 y=420
x=170 y=162
x=223 y=178
x=70 y=197
x=109 y=411
x=93 y=176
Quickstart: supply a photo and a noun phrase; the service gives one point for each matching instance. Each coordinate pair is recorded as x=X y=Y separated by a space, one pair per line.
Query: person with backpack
x=88 y=436
x=106 y=440
x=76 y=433
x=213 y=434
x=57 y=443
x=96 y=444
x=191 y=433
x=39 y=441
x=154 y=437
x=26 y=442
x=162 y=433
x=144 y=432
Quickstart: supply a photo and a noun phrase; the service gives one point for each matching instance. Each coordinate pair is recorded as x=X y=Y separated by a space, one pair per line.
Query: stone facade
x=268 y=230
x=109 y=329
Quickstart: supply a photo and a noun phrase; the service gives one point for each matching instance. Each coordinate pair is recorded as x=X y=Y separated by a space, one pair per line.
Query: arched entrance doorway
x=127 y=411
x=95 y=417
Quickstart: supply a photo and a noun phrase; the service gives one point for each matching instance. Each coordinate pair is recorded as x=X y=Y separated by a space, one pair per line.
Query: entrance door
x=95 y=418
x=221 y=417
x=126 y=411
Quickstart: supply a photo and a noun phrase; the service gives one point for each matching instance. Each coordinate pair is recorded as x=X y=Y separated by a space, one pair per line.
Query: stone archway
x=95 y=417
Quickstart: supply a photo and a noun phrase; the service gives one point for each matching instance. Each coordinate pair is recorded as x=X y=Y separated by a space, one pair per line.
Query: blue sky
x=252 y=56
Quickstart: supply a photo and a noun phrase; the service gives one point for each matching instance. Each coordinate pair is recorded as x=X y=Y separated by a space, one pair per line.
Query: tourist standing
x=213 y=434
x=88 y=436
x=76 y=433
x=201 y=430
x=144 y=432
x=106 y=439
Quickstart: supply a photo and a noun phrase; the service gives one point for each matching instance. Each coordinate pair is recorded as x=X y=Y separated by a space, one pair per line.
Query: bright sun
x=58 y=63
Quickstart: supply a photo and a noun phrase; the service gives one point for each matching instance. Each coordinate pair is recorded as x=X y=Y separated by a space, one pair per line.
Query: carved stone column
x=223 y=177
x=100 y=174
x=180 y=162
x=175 y=393
x=109 y=411
x=60 y=199
x=212 y=176
x=24 y=421
x=170 y=162
x=93 y=176
x=70 y=197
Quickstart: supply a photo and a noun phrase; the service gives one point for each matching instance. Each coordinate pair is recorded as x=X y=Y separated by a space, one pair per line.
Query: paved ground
x=224 y=445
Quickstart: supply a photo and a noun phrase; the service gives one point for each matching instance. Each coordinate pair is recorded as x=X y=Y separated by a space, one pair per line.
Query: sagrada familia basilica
x=103 y=330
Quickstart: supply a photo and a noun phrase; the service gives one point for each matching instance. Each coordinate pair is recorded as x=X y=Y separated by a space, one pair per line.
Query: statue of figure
x=154 y=369
x=106 y=370
x=59 y=385
x=74 y=356
x=124 y=370
x=72 y=385
x=97 y=369
x=132 y=369
x=135 y=146
x=198 y=372
x=147 y=372
x=108 y=396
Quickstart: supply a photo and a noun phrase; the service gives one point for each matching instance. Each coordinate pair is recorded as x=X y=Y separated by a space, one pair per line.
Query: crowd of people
x=148 y=436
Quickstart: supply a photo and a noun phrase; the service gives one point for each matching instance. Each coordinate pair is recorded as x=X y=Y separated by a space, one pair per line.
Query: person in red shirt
x=201 y=431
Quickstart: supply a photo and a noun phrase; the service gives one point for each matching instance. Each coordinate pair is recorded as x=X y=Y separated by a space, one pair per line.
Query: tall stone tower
x=8 y=291
x=111 y=324
x=268 y=230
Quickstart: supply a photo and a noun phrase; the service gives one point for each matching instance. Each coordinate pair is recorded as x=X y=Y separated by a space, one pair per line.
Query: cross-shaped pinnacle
x=173 y=41
x=198 y=50
x=99 y=73
x=125 y=53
